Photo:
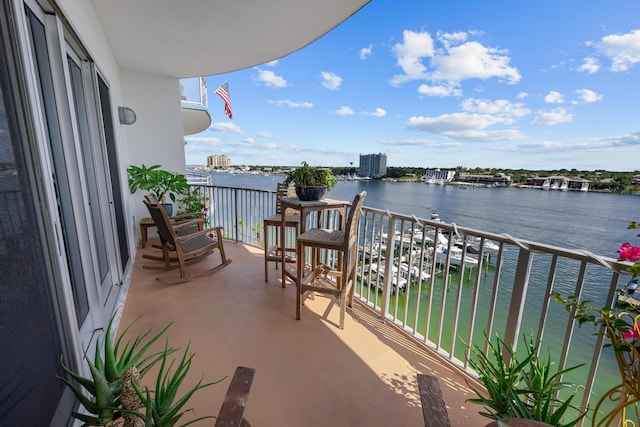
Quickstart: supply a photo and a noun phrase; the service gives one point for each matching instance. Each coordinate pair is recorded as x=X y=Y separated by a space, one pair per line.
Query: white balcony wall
x=157 y=136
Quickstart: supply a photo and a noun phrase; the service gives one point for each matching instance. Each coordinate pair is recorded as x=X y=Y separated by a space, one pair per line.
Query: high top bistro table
x=305 y=209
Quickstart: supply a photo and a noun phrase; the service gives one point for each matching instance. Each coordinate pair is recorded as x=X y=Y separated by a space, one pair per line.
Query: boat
x=413 y=273
x=455 y=257
x=378 y=269
x=369 y=252
x=628 y=302
x=473 y=245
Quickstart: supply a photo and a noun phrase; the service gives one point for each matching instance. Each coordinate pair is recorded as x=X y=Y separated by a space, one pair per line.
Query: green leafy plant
x=310 y=176
x=586 y=312
x=526 y=388
x=160 y=182
x=193 y=203
x=104 y=387
x=162 y=407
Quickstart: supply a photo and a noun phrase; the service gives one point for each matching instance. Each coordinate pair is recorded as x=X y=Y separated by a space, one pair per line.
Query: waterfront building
x=437 y=176
x=373 y=165
x=218 y=161
x=497 y=180
x=558 y=182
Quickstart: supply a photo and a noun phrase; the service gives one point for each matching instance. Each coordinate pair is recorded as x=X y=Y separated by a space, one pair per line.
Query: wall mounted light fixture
x=127 y=116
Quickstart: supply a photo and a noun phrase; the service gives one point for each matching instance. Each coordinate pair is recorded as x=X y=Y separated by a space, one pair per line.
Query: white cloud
x=471 y=127
x=588 y=96
x=522 y=95
x=498 y=107
x=271 y=79
x=586 y=144
x=622 y=49
x=438 y=90
x=410 y=52
x=473 y=60
x=590 y=65
x=457 y=60
x=452 y=39
x=290 y=104
x=553 y=117
x=272 y=63
x=201 y=146
x=270 y=146
x=226 y=127
x=427 y=143
x=203 y=140
x=330 y=80
x=365 y=51
x=344 y=111
x=453 y=122
x=379 y=112
x=264 y=134
x=553 y=97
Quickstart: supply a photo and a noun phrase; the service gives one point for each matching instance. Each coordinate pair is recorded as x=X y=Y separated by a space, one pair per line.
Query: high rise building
x=218 y=161
x=373 y=165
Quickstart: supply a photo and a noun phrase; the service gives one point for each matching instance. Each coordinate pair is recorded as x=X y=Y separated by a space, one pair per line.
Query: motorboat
x=378 y=269
x=455 y=256
x=413 y=273
x=473 y=245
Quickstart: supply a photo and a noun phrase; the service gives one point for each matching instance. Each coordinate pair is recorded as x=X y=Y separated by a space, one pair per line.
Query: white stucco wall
x=157 y=135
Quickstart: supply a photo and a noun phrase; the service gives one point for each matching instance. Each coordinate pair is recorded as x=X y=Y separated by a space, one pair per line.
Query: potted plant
x=522 y=387
x=113 y=396
x=311 y=182
x=160 y=182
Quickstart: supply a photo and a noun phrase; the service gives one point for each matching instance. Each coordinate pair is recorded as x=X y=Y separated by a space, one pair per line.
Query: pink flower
x=629 y=253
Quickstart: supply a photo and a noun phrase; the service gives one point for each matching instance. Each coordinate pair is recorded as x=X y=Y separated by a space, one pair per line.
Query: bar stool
x=323 y=278
x=273 y=253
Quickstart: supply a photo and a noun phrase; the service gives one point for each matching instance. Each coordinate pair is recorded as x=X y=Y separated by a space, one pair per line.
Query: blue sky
x=504 y=84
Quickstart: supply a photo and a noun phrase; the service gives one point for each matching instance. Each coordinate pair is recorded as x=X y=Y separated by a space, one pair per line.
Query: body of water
x=596 y=222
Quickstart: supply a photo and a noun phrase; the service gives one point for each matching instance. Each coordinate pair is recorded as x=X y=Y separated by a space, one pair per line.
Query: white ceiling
x=188 y=38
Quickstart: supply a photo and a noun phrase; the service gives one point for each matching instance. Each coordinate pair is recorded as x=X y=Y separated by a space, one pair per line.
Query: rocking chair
x=189 y=246
x=183 y=224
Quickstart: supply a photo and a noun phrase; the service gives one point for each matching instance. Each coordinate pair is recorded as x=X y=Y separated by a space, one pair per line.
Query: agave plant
x=162 y=406
x=104 y=387
x=526 y=388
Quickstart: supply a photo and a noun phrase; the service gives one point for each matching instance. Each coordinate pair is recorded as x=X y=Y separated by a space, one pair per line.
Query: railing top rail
x=232 y=188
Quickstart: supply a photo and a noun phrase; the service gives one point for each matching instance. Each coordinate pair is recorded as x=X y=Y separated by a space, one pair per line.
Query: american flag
x=223 y=91
x=203 y=87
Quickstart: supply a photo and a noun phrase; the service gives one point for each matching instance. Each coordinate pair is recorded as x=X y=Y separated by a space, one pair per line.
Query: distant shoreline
x=631 y=188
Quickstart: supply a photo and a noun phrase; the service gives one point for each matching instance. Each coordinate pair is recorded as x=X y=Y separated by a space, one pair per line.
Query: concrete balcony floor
x=308 y=372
